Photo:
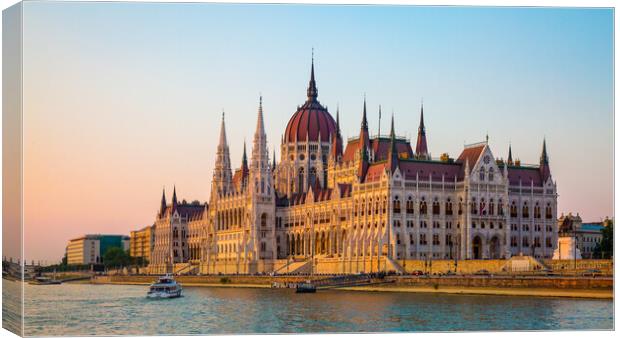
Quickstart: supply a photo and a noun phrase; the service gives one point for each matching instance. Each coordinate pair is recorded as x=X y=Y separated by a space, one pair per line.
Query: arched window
x=363 y=207
x=436 y=207
x=263 y=220
x=491 y=207
x=513 y=209
x=460 y=206
x=449 y=207
x=526 y=210
x=312 y=177
x=423 y=207
x=500 y=208
x=482 y=174
x=300 y=180
x=491 y=174
x=472 y=206
x=548 y=211
x=396 y=205
x=537 y=213
x=409 y=205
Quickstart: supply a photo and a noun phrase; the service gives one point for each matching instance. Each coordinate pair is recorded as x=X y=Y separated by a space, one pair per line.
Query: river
x=85 y=309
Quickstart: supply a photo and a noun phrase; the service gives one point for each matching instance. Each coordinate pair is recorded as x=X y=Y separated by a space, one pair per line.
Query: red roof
x=524 y=175
x=309 y=121
x=436 y=170
x=380 y=148
x=375 y=171
x=471 y=154
x=191 y=211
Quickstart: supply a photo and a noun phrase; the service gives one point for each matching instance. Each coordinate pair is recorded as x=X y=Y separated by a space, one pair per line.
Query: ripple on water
x=83 y=309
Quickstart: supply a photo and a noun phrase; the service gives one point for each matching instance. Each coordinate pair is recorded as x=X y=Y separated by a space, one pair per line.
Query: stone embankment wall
x=214 y=279
x=507 y=282
x=604 y=265
x=413 y=281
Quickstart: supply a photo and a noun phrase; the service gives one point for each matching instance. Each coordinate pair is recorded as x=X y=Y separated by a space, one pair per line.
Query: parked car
x=417 y=273
x=482 y=272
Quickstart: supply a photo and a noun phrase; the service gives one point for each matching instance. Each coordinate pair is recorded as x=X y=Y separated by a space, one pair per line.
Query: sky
x=124 y=99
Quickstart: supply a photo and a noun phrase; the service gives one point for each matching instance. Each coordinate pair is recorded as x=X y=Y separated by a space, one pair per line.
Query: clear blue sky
x=131 y=93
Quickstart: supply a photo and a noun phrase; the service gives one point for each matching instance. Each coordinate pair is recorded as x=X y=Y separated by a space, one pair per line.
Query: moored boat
x=165 y=287
x=41 y=280
x=307 y=287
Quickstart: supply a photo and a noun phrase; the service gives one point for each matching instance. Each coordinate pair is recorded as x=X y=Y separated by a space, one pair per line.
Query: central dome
x=310 y=120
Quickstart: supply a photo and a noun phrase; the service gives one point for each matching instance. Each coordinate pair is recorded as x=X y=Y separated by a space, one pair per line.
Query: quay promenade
x=549 y=286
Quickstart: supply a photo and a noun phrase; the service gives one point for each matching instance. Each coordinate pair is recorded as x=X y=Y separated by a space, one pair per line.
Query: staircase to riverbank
x=297 y=267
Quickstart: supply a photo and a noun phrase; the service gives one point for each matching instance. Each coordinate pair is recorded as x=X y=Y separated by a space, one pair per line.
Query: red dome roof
x=309 y=121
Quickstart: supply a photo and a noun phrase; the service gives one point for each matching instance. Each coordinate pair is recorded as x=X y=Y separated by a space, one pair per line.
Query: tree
x=605 y=248
x=116 y=256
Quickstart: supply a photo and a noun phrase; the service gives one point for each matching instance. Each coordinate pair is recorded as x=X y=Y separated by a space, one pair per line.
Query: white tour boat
x=165 y=287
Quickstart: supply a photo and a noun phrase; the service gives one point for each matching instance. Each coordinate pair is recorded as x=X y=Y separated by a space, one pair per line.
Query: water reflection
x=73 y=309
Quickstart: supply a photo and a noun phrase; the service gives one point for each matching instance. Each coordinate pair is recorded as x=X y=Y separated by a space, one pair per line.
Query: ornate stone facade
x=367 y=205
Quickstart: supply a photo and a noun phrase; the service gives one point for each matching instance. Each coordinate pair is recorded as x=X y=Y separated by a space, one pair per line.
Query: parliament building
x=366 y=204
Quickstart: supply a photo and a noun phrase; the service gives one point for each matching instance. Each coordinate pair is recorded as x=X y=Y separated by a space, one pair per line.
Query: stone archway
x=477 y=248
x=494 y=252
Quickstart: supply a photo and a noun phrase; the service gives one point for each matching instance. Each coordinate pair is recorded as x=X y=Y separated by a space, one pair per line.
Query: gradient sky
x=121 y=99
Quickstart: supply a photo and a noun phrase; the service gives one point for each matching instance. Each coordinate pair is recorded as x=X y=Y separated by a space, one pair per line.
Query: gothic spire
x=393 y=153
x=162 y=208
x=244 y=158
x=222 y=174
x=364 y=120
x=260 y=157
x=338 y=120
x=421 y=149
x=364 y=139
x=260 y=126
x=379 y=128
x=312 y=91
x=336 y=151
x=544 y=159
x=273 y=165
x=545 y=171
x=174 y=199
x=509 y=154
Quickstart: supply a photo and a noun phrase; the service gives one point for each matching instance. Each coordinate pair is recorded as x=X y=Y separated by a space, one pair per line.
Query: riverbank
x=595 y=288
x=530 y=292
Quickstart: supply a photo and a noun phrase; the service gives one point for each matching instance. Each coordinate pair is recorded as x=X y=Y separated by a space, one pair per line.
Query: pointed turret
x=259 y=165
x=273 y=164
x=545 y=171
x=312 y=91
x=162 y=208
x=510 y=155
x=175 y=204
x=244 y=158
x=336 y=151
x=222 y=174
x=245 y=171
x=379 y=128
x=421 y=150
x=364 y=146
x=364 y=140
x=392 y=153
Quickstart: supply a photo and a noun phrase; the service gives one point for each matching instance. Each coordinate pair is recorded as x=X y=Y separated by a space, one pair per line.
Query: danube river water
x=84 y=309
